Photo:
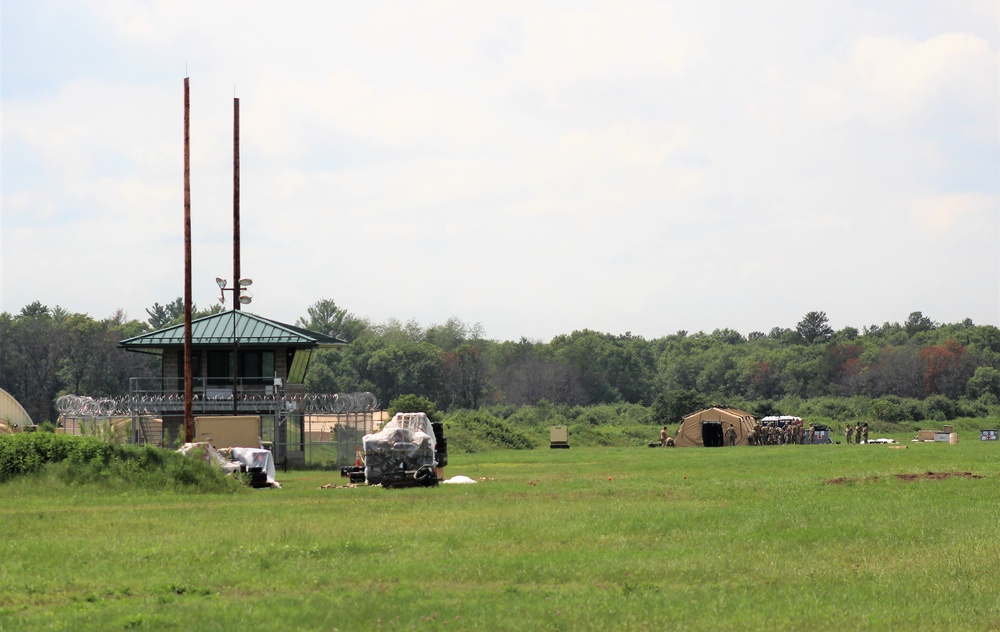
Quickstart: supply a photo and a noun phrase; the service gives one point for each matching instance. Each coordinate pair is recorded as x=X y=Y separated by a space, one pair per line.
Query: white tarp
x=459 y=480
x=254 y=457
x=781 y=419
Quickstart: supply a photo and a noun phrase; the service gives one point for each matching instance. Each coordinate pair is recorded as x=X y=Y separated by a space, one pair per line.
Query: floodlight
x=245 y=300
x=246 y=282
x=221 y=282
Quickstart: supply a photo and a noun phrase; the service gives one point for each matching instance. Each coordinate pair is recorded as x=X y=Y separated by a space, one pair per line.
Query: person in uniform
x=848 y=431
x=664 y=435
x=731 y=436
x=864 y=432
x=812 y=434
x=857 y=433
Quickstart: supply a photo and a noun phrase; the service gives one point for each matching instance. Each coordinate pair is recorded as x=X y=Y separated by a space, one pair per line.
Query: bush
x=832 y=407
x=885 y=410
x=477 y=430
x=414 y=404
x=543 y=415
x=632 y=436
x=76 y=460
x=981 y=407
x=940 y=408
x=894 y=409
x=540 y=415
x=765 y=408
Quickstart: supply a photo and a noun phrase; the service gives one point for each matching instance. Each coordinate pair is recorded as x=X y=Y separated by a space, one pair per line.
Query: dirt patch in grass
x=935 y=476
x=840 y=480
x=927 y=476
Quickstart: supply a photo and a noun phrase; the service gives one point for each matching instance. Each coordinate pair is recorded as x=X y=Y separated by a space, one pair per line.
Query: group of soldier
x=770 y=433
x=859 y=431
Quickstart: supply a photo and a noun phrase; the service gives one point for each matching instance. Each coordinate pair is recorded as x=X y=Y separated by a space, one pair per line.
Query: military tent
x=12 y=413
x=708 y=427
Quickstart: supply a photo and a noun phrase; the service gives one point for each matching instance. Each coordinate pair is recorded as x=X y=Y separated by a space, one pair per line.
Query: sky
x=536 y=167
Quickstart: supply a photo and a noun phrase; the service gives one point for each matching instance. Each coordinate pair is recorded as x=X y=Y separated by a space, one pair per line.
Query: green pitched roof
x=217 y=330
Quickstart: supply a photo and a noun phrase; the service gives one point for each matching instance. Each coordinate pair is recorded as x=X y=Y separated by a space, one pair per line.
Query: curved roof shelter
x=11 y=411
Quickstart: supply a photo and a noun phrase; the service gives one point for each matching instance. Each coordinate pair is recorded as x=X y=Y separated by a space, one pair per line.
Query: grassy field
x=777 y=538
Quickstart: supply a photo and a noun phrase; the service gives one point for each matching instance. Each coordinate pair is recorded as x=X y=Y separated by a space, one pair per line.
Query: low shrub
x=830 y=407
x=631 y=436
x=90 y=460
x=414 y=404
x=478 y=430
x=940 y=408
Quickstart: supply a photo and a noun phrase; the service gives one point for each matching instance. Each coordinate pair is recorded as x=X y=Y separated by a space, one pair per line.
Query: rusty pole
x=236 y=200
x=237 y=288
x=188 y=378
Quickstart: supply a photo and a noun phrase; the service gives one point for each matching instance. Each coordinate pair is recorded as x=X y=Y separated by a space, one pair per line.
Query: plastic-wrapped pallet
x=405 y=444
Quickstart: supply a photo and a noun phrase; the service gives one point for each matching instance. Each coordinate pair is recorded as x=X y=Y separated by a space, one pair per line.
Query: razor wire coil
x=82 y=406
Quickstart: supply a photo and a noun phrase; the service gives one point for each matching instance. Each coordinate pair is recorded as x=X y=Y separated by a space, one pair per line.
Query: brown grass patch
x=935 y=476
x=927 y=476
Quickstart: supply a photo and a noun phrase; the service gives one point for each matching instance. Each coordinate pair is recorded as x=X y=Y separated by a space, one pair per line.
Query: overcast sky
x=535 y=167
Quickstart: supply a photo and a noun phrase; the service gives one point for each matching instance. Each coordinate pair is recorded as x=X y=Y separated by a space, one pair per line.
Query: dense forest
x=914 y=370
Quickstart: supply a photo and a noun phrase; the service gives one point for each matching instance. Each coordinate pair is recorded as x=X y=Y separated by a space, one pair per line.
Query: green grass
x=696 y=539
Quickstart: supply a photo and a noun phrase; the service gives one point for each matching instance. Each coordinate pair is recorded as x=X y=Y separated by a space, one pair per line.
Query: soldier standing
x=848 y=431
x=864 y=432
x=812 y=434
x=857 y=433
x=731 y=435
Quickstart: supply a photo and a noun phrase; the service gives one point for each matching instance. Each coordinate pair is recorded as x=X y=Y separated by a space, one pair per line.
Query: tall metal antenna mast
x=236 y=197
x=188 y=378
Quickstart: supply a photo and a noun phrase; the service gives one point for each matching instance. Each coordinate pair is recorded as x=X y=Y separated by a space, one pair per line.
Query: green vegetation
x=414 y=404
x=634 y=425
x=895 y=372
x=480 y=431
x=81 y=460
x=771 y=538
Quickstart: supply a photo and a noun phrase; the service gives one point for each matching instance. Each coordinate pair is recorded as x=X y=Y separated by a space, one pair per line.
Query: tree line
x=455 y=366
x=954 y=368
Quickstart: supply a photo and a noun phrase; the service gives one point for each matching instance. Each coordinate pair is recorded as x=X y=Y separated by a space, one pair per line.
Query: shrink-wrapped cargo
x=403 y=449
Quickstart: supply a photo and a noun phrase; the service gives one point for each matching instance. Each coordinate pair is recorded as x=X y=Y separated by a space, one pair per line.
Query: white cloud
x=556 y=166
x=965 y=216
x=899 y=81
